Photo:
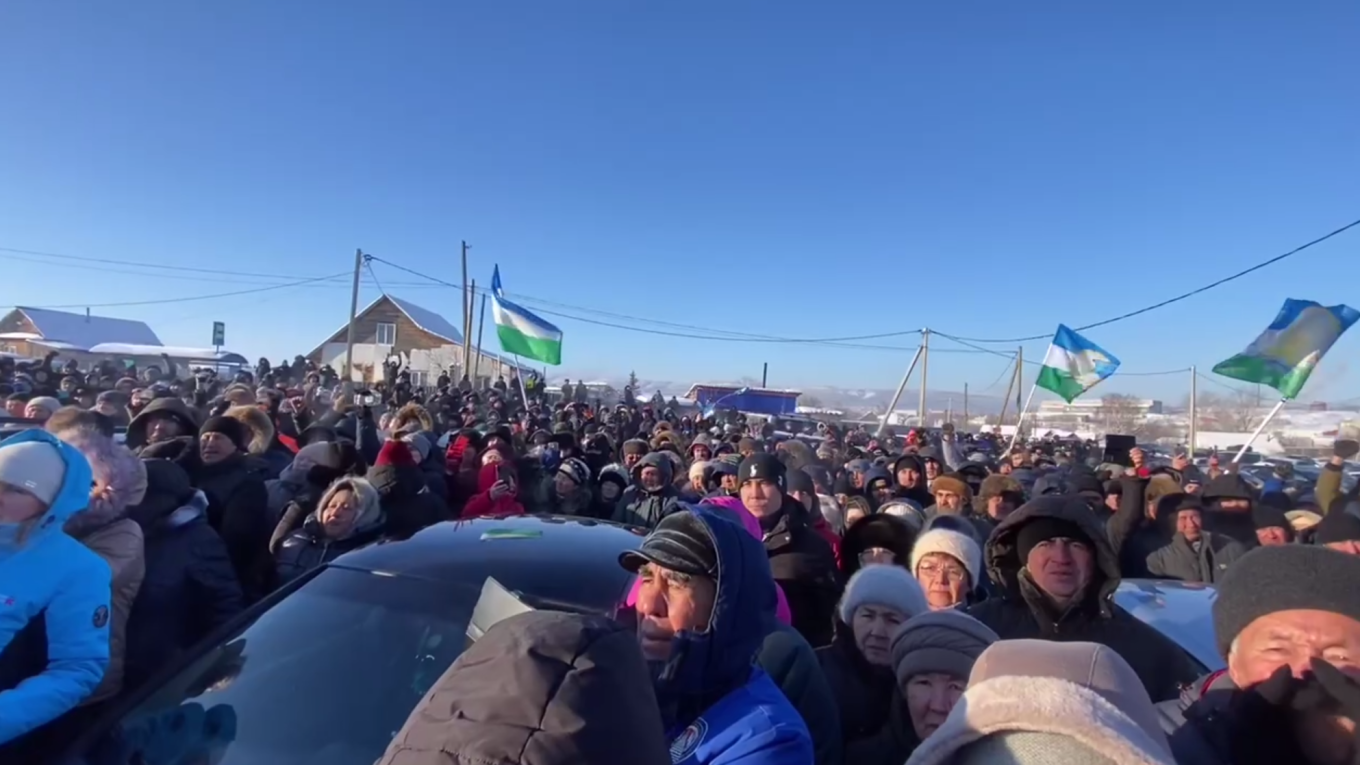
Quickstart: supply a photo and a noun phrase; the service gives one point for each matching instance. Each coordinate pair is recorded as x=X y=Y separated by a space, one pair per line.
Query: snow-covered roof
x=173 y=351
x=82 y=331
x=427 y=320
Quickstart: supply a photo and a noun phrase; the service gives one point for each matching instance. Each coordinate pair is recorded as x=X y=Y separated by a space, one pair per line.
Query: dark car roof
x=571 y=562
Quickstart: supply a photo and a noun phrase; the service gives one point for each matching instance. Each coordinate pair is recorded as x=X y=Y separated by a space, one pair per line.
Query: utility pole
x=925 y=366
x=1006 y=399
x=1194 y=414
x=481 y=327
x=1019 y=375
x=764 y=374
x=467 y=315
x=353 y=316
x=965 y=406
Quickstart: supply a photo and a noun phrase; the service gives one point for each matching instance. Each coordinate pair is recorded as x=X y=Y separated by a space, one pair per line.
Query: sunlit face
x=932 y=470
x=944 y=579
x=702 y=453
x=853 y=514
x=1348 y=546
x=35 y=411
x=930 y=696
x=215 y=447
x=1190 y=524
x=563 y=484
x=652 y=479
x=1000 y=506
x=631 y=460
x=340 y=513
x=1061 y=567
x=761 y=497
x=1292 y=638
x=492 y=457
x=14 y=407
x=1271 y=536
x=728 y=482
x=908 y=477
x=948 y=500
x=162 y=429
x=17 y=505
x=696 y=477
x=668 y=603
x=873 y=626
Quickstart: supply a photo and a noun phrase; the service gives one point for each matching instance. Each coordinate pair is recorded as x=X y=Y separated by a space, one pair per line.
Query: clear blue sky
x=793 y=168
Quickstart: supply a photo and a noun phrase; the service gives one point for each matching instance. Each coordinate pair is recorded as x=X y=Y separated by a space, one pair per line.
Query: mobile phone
x=505 y=473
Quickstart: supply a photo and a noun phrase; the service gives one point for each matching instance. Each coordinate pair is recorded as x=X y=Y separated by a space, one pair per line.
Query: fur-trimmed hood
x=1041 y=701
x=795 y=454
x=119 y=479
x=412 y=414
x=258 y=426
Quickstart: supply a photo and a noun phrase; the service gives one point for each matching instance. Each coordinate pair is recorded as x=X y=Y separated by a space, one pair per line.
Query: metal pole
x=467 y=315
x=481 y=325
x=965 y=406
x=892 y=405
x=1194 y=414
x=1257 y=434
x=925 y=366
x=764 y=374
x=1019 y=372
x=348 y=377
x=1006 y=399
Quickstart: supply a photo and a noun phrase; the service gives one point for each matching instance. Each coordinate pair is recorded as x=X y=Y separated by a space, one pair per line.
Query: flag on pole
x=1073 y=365
x=1285 y=354
x=521 y=332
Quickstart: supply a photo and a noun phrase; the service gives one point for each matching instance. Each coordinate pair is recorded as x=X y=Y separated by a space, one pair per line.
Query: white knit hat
x=883 y=585
x=957 y=546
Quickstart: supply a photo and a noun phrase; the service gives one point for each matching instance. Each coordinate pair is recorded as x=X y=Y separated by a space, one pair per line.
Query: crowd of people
x=849 y=598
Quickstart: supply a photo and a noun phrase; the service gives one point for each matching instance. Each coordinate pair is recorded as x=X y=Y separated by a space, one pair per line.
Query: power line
x=743 y=337
x=368 y=262
x=191 y=298
x=1178 y=298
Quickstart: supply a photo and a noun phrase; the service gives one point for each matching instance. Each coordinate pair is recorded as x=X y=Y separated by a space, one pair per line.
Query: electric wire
x=190 y=298
x=1181 y=297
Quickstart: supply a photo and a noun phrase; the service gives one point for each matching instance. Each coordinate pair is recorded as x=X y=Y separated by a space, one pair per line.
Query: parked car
x=1178 y=610
x=327 y=670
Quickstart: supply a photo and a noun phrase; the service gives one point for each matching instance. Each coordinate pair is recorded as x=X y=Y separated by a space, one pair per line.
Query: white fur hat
x=957 y=546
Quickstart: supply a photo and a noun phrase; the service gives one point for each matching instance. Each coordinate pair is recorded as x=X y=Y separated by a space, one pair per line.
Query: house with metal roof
x=34 y=332
x=424 y=342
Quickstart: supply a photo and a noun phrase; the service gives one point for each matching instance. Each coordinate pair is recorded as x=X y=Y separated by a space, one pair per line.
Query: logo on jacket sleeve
x=101 y=617
x=689 y=740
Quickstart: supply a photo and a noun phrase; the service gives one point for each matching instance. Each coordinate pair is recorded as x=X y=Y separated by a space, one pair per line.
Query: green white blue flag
x=521 y=332
x=1073 y=365
x=1285 y=354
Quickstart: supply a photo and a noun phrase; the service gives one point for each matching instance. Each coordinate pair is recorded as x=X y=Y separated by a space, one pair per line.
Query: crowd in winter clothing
x=839 y=599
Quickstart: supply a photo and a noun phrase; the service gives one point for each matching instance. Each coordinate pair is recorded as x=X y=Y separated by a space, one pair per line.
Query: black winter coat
x=190 y=588
x=805 y=567
x=406 y=500
x=793 y=666
x=863 y=691
x=1023 y=611
x=238 y=509
x=308 y=547
x=893 y=743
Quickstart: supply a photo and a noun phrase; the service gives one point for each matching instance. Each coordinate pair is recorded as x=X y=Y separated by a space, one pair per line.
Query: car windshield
x=328 y=675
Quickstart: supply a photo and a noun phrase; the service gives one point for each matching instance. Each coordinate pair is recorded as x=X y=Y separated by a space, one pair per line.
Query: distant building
x=1318 y=406
x=35 y=332
x=427 y=344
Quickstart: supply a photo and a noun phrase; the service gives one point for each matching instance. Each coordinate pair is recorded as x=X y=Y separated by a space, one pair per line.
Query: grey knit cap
x=939 y=641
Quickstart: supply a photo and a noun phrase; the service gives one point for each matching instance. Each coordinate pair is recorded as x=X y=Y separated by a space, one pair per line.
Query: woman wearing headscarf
x=347 y=516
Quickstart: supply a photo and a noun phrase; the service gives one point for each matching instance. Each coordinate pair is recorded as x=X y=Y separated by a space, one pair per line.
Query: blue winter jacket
x=53 y=577
x=722 y=709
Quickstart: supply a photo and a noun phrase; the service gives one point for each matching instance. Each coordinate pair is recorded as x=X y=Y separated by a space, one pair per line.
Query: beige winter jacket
x=120 y=544
x=1036 y=702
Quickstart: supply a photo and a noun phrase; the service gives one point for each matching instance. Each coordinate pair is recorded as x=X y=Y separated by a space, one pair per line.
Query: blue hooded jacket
x=51 y=575
x=719 y=707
